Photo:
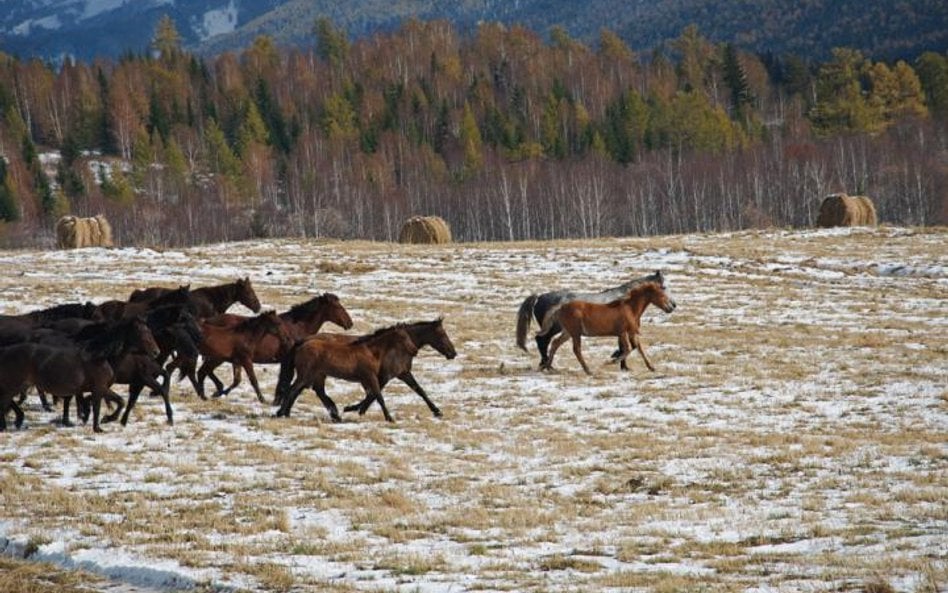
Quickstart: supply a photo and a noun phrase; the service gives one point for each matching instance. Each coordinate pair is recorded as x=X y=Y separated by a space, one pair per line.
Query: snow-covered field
x=793 y=438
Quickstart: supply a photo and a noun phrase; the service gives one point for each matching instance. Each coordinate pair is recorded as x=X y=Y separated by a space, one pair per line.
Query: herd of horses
x=82 y=351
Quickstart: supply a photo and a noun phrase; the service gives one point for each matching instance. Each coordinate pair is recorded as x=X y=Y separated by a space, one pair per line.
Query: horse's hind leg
x=553 y=348
x=625 y=348
x=207 y=370
x=543 y=343
x=113 y=398
x=373 y=391
x=290 y=398
x=319 y=386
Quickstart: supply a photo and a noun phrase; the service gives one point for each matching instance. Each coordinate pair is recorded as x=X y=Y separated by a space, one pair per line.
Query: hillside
x=882 y=29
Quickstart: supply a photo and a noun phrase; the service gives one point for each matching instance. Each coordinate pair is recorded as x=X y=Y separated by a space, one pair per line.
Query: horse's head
x=190 y=325
x=436 y=337
x=662 y=298
x=139 y=336
x=246 y=296
x=91 y=312
x=335 y=312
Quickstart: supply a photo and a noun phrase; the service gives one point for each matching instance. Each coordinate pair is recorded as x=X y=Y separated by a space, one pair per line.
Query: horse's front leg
x=578 y=351
x=247 y=362
x=637 y=341
x=67 y=401
x=408 y=379
x=134 y=389
x=235 y=381
x=18 y=422
x=96 y=410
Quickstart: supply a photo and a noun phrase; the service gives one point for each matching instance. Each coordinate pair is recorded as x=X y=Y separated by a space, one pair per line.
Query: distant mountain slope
x=882 y=29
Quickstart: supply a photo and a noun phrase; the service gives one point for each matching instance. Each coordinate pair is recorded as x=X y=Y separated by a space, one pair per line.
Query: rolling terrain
x=792 y=438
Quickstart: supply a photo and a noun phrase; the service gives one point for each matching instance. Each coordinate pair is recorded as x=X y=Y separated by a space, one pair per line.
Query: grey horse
x=540 y=305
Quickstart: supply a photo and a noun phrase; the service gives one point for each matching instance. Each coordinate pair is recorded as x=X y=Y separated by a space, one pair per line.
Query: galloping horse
x=421 y=333
x=67 y=371
x=371 y=360
x=236 y=345
x=209 y=300
x=540 y=305
x=299 y=322
x=619 y=318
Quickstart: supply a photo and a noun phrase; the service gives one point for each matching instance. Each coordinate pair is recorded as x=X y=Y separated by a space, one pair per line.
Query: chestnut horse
x=619 y=318
x=300 y=321
x=539 y=306
x=237 y=344
x=371 y=360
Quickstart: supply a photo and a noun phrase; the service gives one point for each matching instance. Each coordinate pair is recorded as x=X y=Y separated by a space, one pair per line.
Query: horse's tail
x=550 y=319
x=287 y=370
x=523 y=320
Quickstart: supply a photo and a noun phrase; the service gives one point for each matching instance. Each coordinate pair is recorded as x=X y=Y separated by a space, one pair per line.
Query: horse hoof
x=437 y=413
x=336 y=419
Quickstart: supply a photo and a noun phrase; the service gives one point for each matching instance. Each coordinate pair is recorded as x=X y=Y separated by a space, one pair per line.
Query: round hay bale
x=845 y=210
x=429 y=230
x=73 y=232
x=105 y=231
x=66 y=232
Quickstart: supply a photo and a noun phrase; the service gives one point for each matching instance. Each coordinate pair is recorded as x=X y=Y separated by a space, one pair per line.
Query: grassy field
x=793 y=438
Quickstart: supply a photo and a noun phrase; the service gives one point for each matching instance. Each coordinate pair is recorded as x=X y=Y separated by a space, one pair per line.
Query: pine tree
x=471 y=143
x=166 y=41
x=9 y=208
x=736 y=80
x=332 y=44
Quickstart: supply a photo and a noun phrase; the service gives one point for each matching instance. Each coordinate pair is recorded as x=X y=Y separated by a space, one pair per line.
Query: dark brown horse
x=619 y=318
x=299 y=322
x=67 y=371
x=115 y=310
x=208 y=300
x=236 y=345
x=372 y=360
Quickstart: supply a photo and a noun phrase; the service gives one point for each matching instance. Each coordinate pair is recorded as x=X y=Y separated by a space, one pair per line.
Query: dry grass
x=792 y=438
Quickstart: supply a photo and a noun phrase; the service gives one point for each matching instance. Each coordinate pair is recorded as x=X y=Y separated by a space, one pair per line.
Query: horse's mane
x=81 y=310
x=656 y=276
x=253 y=321
x=105 y=339
x=301 y=310
x=638 y=289
x=405 y=325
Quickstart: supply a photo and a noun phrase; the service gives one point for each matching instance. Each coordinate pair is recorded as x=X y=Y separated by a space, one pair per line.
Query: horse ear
x=660 y=276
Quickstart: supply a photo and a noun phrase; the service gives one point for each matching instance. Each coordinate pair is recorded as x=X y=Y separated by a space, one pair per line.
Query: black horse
x=67 y=371
x=539 y=306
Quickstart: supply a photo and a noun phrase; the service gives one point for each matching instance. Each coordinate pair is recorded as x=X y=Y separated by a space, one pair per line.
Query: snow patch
x=218 y=22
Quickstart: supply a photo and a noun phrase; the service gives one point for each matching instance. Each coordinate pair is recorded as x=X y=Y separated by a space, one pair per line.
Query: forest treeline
x=504 y=133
